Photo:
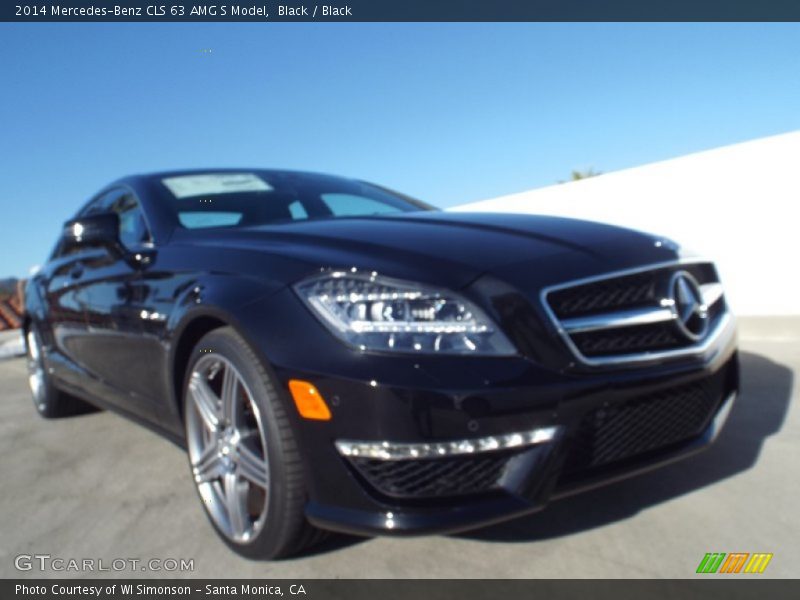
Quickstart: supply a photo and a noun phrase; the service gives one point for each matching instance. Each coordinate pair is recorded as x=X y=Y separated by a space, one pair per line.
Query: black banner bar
x=156 y=11
x=713 y=588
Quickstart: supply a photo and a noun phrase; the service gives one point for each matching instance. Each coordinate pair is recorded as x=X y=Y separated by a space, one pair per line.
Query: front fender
x=206 y=303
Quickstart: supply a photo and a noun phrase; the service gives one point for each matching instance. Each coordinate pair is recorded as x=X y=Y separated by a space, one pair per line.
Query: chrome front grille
x=639 y=315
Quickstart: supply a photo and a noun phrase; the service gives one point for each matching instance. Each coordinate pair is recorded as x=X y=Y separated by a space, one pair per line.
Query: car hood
x=451 y=249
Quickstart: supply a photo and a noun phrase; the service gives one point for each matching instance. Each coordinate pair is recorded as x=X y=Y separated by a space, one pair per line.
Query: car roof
x=158 y=175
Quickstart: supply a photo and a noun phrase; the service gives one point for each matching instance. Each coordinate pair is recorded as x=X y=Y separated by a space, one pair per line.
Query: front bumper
x=465 y=515
x=423 y=402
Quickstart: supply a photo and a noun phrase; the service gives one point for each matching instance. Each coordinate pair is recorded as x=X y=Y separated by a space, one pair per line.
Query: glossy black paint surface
x=117 y=329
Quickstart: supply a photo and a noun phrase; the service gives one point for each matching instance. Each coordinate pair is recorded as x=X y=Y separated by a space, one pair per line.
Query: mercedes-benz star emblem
x=691 y=313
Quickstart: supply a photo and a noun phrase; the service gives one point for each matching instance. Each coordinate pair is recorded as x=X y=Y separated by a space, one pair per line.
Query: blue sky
x=450 y=113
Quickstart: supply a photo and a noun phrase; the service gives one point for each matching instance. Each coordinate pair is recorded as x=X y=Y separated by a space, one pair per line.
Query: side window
x=132 y=226
x=100 y=203
x=343 y=205
x=97 y=205
x=297 y=211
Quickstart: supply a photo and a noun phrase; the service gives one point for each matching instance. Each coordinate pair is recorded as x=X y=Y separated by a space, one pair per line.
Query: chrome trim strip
x=724 y=326
x=405 y=451
x=693 y=260
x=722 y=415
x=622 y=318
x=711 y=293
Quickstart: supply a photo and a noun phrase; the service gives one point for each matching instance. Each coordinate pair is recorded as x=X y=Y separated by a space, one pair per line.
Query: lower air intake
x=654 y=422
x=434 y=477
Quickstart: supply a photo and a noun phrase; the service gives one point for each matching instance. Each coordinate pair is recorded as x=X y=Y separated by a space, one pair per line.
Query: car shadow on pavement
x=758 y=413
x=332 y=543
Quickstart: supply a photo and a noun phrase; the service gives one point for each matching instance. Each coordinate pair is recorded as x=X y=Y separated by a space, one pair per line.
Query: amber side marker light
x=309 y=402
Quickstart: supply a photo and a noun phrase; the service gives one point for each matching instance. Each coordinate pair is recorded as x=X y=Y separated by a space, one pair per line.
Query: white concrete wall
x=737 y=205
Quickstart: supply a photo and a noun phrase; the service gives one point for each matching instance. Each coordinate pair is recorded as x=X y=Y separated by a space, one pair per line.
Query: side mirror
x=101 y=229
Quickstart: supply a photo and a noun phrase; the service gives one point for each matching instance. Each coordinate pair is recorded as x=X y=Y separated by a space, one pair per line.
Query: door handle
x=76 y=271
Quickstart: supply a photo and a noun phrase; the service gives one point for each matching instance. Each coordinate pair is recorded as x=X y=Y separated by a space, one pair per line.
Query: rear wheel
x=242 y=450
x=50 y=402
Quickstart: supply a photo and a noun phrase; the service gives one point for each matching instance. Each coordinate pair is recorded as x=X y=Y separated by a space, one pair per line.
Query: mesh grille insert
x=418 y=478
x=612 y=434
x=603 y=296
x=627 y=340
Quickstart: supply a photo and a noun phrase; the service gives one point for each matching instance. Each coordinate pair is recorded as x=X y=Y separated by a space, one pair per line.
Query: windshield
x=242 y=199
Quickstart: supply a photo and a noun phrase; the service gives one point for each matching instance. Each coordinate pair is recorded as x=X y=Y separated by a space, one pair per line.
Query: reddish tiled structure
x=11 y=309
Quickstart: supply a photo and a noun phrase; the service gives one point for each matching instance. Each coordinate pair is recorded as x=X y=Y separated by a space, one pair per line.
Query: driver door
x=117 y=294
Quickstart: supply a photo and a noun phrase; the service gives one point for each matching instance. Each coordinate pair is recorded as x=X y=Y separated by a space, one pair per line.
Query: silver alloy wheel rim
x=36 y=372
x=227 y=448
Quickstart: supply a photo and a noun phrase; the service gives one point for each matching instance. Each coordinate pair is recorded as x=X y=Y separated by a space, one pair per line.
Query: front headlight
x=372 y=312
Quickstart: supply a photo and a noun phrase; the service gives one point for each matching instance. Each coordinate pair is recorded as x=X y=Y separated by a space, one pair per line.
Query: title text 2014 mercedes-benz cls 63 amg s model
x=338 y=356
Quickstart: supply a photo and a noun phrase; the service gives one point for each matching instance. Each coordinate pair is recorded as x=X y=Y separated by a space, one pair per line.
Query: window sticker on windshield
x=186 y=186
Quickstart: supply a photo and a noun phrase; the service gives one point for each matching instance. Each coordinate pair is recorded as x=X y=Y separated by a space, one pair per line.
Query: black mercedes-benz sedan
x=334 y=355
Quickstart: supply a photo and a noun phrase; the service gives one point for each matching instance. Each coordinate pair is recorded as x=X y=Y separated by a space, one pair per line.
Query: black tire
x=285 y=530
x=49 y=401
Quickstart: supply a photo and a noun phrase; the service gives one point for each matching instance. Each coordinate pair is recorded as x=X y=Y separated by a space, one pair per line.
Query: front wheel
x=242 y=450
